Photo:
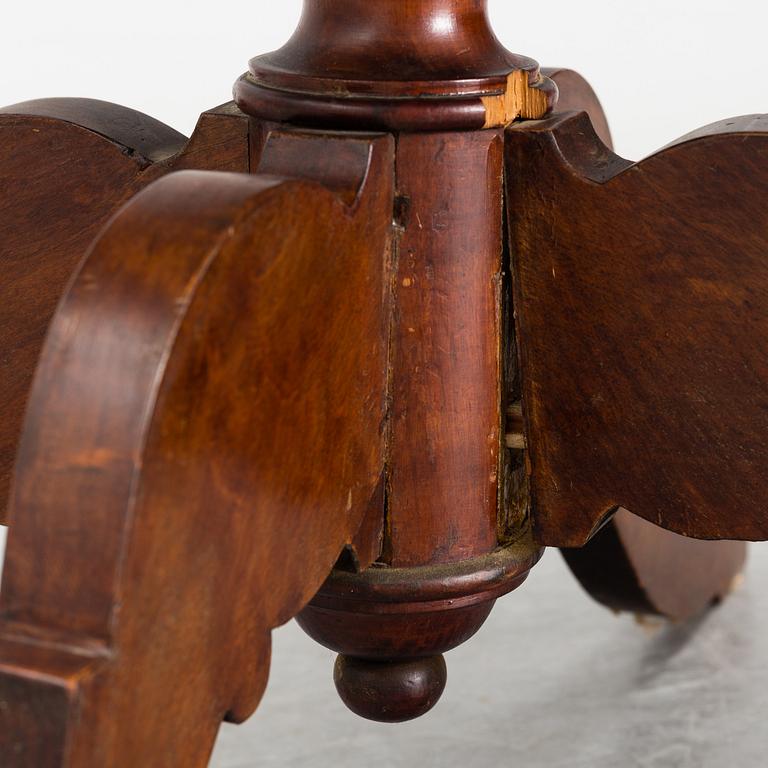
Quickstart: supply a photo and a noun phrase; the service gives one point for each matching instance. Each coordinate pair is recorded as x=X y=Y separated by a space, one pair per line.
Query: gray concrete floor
x=552 y=681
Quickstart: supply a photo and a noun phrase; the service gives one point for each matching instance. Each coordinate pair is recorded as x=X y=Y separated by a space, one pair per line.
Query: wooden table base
x=384 y=328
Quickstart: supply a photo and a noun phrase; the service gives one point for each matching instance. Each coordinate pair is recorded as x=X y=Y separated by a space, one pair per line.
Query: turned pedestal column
x=451 y=516
x=452 y=513
x=382 y=330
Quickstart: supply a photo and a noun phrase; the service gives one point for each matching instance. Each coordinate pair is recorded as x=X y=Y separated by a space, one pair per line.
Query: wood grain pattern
x=203 y=437
x=441 y=500
x=631 y=564
x=642 y=300
x=252 y=378
x=66 y=165
x=399 y=622
x=139 y=135
x=446 y=370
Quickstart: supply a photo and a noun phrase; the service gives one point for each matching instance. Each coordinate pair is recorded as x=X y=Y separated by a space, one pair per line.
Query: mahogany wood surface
x=575 y=93
x=422 y=69
x=318 y=347
x=391 y=625
x=66 y=165
x=446 y=388
x=189 y=472
x=415 y=65
x=359 y=684
x=631 y=564
x=642 y=301
x=446 y=415
x=423 y=48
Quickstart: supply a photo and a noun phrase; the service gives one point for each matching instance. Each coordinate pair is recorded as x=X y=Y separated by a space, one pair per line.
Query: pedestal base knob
x=390 y=691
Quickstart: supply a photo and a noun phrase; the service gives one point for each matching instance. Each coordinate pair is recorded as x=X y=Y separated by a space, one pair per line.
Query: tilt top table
x=384 y=328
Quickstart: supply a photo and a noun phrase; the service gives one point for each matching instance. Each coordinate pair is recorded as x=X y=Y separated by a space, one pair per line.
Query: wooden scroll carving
x=642 y=310
x=631 y=564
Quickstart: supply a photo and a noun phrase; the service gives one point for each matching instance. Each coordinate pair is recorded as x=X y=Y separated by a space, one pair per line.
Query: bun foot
x=390 y=691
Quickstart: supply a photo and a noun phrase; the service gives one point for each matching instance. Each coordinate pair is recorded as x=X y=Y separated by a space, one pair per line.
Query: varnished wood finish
x=442 y=501
x=66 y=165
x=423 y=48
x=159 y=479
x=442 y=514
x=139 y=136
x=414 y=65
x=412 y=687
x=399 y=621
x=341 y=360
x=642 y=308
x=446 y=371
x=631 y=564
x=576 y=94
x=219 y=143
x=410 y=598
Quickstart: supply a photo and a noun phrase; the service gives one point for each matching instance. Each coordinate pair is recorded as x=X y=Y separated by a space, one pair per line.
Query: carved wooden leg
x=203 y=438
x=252 y=378
x=66 y=165
x=452 y=542
x=631 y=564
x=642 y=299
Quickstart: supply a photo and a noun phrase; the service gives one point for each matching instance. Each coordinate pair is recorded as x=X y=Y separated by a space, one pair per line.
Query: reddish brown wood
x=446 y=371
x=220 y=142
x=61 y=179
x=342 y=164
x=455 y=488
x=140 y=136
x=203 y=437
x=576 y=94
x=413 y=65
x=389 y=624
x=410 y=687
x=391 y=613
x=631 y=564
x=71 y=163
x=422 y=47
x=251 y=379
x=642 y=305
x=442 y=564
